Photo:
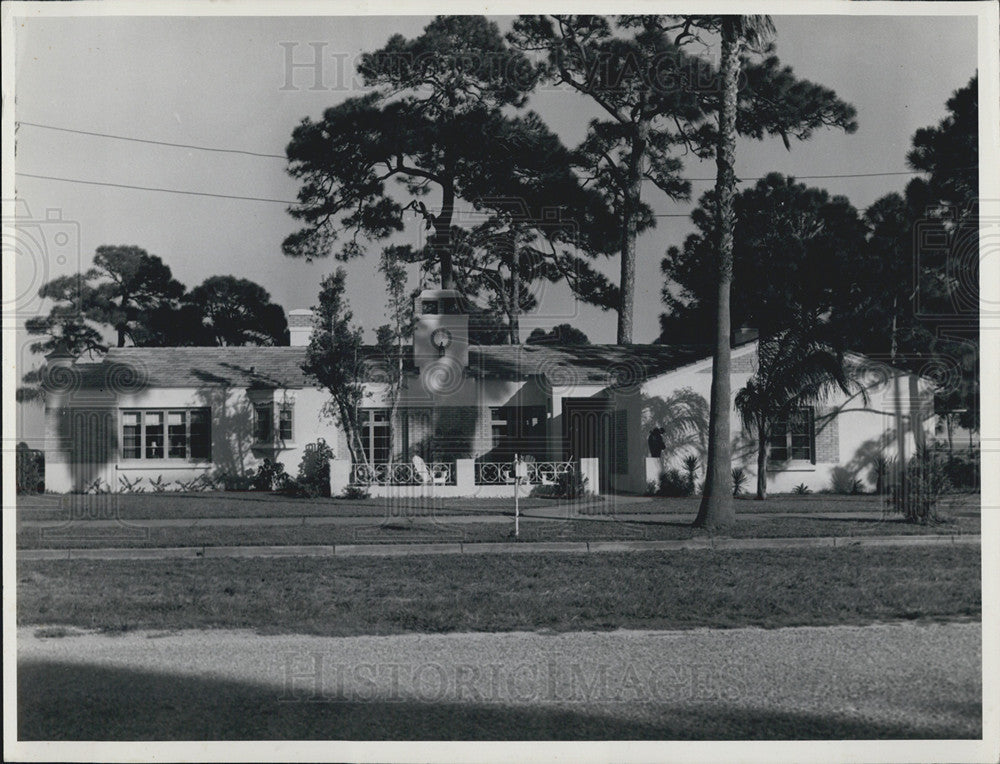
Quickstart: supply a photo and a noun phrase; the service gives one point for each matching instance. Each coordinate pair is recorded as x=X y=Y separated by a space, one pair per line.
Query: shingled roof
x=273 y=367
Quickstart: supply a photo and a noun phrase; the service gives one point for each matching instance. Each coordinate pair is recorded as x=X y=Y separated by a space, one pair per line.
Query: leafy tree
x=335 y=359
x=918 y=305
x=619 y=67
x=811 y=232
x=390 y=337
x=234 y=311
x=561 y=334
x=123 y=288
x=796 y=367
x=438 y=122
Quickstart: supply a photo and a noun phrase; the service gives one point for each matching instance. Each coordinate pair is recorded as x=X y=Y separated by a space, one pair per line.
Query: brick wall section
x=827 y=436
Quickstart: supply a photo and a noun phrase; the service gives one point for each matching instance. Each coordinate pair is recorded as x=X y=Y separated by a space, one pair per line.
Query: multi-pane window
x=375 y=435
x=131 y=434
x=285 y=422
x=166 y=434
x=153 y=421
x=794 y=438
x=177 y=434
x=269 y=419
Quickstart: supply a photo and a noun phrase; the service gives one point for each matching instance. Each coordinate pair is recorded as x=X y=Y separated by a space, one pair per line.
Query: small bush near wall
x=271 y=476
x=30 y=469
x=962 y=470
x=845 y=482
x=314 y=472
x=355 y=492
x=568 y=485
x=674 y=484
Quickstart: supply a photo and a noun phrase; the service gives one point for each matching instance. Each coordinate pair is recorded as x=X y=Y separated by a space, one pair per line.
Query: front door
x=588 y=431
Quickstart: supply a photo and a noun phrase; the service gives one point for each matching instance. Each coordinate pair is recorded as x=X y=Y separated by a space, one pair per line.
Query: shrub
x=962 y=470
x=879 y=474
x=674 y=484
x=270 y=476
x=355 y=492
x=200 y=483
x=130 y=486
x=691 y=471
x=925 y=480
x=314 y=472
x=99 y=486
x=30 y=469
x=569 y=485
x=740 y=478
x=801 y=489
x=159 y=485
x=232 y=481
x=844 y=482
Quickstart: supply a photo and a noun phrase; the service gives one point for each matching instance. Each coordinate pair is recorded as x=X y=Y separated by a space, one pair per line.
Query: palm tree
x=737 y=33
x=796 y=368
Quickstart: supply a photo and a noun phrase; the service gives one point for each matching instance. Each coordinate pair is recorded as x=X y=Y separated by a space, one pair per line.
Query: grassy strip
x=810 y=504
x=506 y=592
x=144 y=506
x=79 y=535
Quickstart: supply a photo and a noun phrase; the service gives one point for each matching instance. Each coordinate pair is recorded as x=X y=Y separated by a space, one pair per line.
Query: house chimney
x=300 y=326
x=442 y=328
x=60 y=356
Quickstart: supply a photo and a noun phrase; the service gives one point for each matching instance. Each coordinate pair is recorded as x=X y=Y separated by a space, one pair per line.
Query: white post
x=517 y=511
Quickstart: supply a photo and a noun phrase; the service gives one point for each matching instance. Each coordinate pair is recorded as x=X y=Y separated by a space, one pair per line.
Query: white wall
x=862 y=428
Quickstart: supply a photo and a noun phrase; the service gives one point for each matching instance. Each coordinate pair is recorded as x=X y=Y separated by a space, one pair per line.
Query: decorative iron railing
x=403 y=473
x=538 y=473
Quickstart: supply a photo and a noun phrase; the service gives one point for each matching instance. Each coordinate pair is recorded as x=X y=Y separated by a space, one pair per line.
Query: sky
x=224 y=83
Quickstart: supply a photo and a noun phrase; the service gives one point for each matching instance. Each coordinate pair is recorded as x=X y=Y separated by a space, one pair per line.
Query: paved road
x=882 y=681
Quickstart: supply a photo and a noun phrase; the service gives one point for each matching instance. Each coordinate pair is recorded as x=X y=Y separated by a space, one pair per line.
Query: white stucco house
x=173 y=414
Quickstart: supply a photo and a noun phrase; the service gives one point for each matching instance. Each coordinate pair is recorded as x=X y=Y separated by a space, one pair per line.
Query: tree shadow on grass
x=68 y=701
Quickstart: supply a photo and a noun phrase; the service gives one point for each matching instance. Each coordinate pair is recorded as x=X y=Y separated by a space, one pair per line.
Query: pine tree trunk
x=630 y=208
x=515 y=302
x=441 y=240
x=717 y=510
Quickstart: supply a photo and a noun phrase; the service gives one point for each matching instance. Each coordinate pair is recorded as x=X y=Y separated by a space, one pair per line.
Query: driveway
x=882 y=681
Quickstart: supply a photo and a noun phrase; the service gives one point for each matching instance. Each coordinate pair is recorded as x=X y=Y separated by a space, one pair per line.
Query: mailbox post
x=520 y=471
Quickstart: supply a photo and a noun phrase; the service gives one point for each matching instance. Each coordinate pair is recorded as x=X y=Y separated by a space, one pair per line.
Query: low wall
x=465 y=483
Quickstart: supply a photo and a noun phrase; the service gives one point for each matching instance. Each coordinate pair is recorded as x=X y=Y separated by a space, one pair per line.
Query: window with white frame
x=166 y=434
x=375 y=435
x=794 y=438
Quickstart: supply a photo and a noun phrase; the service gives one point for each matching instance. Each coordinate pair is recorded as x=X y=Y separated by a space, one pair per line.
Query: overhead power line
x=155 y=143
x=282 y=156
x=151 y=188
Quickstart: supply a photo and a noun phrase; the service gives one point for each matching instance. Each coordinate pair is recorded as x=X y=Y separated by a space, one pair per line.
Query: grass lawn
x=144 y=506
x=441 y=530
x=954 y=504
x=443 y=593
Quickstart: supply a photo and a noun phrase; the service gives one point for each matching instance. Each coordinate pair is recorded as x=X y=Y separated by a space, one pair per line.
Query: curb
x=536 y=547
